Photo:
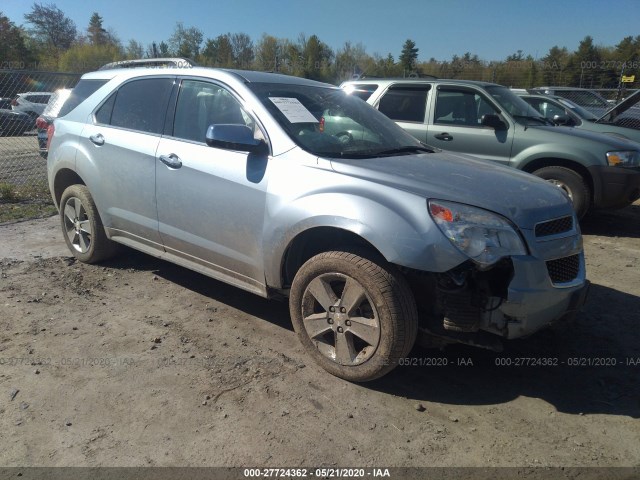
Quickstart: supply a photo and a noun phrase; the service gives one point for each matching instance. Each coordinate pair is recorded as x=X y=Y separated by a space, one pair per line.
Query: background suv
x=491 y=122
x=563 y=111
x=31 y=103
x=253 y=179
x=587 y=99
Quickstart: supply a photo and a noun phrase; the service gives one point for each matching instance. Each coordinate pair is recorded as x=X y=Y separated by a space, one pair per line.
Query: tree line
x=49 y=40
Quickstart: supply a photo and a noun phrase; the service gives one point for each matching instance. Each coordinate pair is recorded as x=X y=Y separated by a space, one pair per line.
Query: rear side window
x=138 y=105
x=83 y=90
x=362 y=91
x=38 y=98
x=405 y=104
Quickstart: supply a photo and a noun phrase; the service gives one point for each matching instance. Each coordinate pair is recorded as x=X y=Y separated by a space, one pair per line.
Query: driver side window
x=461 y=107
x=201 y=104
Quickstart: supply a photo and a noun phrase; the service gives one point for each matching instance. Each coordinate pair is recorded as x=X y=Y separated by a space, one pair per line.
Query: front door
x=457 y=125
x=211 y=201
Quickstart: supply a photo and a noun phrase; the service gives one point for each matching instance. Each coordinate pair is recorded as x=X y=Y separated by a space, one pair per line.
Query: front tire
x=355 y=315
x=82 y=227
x=572 y=183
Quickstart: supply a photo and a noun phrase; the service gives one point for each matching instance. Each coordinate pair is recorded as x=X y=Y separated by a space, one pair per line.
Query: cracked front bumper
x=534 y=302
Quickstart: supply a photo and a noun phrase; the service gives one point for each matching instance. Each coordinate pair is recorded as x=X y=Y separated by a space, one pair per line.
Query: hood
x=613 y=143
x=620 y=108
x=518 y=196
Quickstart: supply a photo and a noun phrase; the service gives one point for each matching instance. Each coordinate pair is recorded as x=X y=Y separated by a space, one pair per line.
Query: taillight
x=50 y=129
x=41 y=123
x=14 y=102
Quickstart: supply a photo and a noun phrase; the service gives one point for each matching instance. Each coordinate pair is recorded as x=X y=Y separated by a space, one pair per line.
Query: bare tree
x=51 y=27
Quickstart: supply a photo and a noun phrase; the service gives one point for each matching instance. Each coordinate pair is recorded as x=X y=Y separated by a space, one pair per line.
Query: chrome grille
x=564 y=270
x=554 y=227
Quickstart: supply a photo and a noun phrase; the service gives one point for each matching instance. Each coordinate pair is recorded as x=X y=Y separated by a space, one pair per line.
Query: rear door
x=456 y=125
x=121 y=144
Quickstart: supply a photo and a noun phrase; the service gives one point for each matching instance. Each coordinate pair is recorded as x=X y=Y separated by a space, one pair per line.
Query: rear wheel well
x=64 y=179
x=317 y=240
x=561 y=162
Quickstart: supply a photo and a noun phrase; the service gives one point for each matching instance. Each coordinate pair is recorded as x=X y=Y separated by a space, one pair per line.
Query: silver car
x=291 y=188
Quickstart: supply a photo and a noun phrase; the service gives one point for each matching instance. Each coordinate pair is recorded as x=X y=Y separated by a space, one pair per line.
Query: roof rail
x=412 y=76
x=169 y=62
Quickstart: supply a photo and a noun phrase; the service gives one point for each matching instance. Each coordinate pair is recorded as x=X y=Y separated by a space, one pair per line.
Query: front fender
x=398 y=226
x=579 y=154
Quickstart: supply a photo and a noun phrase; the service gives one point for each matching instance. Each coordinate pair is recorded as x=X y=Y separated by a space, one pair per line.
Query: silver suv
x=291 y=188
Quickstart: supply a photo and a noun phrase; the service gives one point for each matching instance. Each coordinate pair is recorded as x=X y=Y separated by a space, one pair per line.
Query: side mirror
x=493 y=121
x=561 y=119
x=234 y=137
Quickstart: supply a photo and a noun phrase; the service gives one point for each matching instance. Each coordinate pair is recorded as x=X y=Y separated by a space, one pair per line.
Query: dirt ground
x=138 y=362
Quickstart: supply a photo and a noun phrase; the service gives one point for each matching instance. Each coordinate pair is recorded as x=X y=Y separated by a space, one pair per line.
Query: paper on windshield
x=295 y=111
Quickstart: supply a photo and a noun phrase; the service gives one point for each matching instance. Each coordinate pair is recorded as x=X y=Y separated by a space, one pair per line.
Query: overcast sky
x=492 y=29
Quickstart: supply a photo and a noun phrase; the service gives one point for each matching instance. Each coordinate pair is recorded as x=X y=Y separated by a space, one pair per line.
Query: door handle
x=444 y=136
x=97 y=140
x=171 y=160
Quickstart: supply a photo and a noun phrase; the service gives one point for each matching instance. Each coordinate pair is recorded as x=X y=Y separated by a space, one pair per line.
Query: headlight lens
x=630 y=158
x=483 y=236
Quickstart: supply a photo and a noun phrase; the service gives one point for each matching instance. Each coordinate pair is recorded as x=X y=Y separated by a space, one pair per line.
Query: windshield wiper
x=407 y=149
x=346 y=154
x=374 y=153
x=542 y=120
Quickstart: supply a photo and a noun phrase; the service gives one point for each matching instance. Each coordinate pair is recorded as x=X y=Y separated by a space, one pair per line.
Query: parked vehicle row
x=14 y=123
x=562 y=111
x=292 y=188
x=489 y=121
x=31 y=103
x=18 y=115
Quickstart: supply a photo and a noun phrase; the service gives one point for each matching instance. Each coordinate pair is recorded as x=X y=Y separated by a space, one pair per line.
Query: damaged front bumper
x=514 y=298
x=533 y=301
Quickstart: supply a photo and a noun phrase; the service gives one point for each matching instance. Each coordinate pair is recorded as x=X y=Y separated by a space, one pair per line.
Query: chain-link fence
x=23 y=97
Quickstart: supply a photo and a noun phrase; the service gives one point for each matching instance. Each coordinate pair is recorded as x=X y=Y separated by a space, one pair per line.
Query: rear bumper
x=615 y=187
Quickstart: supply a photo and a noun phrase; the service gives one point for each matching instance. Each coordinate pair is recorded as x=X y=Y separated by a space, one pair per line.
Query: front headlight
x=630 y=158
x=483 y=236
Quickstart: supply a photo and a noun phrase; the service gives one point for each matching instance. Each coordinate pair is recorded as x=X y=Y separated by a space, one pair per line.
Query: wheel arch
x=539 y=163
x=65 y=178
x=318 y=240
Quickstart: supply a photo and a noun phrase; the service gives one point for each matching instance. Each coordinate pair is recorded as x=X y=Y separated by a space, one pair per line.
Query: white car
x=31 y=103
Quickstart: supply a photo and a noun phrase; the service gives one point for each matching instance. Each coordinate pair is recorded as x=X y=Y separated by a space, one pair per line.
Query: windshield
x=328 y=122
x=518 y=108
x=584 y=98
x=577 y=109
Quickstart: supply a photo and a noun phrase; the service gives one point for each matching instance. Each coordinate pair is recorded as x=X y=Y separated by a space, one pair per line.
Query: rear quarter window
x=83 y=90
x=362 y=91
x=39 y=98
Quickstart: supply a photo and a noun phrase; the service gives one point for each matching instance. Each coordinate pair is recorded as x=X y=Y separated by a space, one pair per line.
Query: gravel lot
x=20 y=162
x=138 y=362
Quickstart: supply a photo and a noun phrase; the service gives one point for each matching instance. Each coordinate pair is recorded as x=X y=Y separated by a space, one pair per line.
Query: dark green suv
x=491 y=122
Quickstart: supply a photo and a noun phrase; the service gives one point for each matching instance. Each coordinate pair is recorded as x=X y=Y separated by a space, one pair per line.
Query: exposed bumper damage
x=514 y=298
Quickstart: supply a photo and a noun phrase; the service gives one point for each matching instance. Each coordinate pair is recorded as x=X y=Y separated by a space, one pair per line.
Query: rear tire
x=572 y=183
x=354 y=314
x=82 y=227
